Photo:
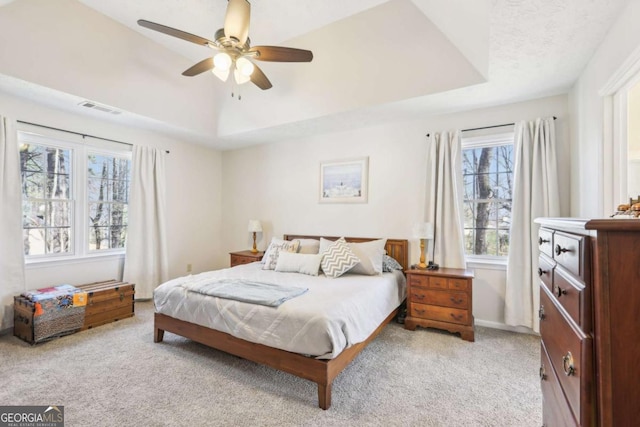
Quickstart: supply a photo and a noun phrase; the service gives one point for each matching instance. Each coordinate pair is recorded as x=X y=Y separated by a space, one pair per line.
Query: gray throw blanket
x=268 y=294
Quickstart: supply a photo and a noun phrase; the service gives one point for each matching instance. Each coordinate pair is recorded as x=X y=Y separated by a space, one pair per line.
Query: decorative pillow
x=389 y=264
x=270 y=257
x=299 y=263
x=370 y=254
x=338 y=259
x=309 y=246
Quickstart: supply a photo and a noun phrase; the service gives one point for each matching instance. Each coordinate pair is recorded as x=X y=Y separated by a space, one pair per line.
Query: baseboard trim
x=498 y=325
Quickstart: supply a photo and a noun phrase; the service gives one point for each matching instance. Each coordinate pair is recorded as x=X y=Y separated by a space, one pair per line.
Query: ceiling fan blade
x=200 y=67
x=236 y=21
x=259 y=79
x=281 y=54
x=175 y=33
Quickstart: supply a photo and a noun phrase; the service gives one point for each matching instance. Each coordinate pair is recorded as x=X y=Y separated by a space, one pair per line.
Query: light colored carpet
x=115 y=375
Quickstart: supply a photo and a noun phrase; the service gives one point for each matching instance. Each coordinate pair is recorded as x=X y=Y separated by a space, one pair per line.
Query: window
x=74 y=198
x=488 y=181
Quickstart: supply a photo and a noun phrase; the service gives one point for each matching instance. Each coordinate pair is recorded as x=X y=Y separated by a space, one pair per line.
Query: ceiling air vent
x=99 y=107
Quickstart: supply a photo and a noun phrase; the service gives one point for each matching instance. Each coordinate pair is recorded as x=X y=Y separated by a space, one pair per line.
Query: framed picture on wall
x=344 y=181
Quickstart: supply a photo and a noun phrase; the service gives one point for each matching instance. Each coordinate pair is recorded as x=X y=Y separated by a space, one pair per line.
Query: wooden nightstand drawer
x=445 y=299
x=245 y=257
x=438 y=282
x=458 y=284
x=442 y=314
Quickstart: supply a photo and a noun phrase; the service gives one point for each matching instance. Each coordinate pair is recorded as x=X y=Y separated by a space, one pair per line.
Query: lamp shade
x=423 y=230
x=255 y=226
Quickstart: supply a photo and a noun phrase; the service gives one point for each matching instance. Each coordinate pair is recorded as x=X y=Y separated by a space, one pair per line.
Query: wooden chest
x=108 y=302
x=38 y=321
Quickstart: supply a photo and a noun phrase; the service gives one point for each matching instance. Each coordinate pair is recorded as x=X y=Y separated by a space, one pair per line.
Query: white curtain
x=535 y=194
x=444 y=198
x=11 y=250
x=146 y=261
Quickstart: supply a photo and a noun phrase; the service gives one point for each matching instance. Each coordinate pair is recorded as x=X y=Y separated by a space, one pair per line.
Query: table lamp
x=254 y=227
x=423 y=231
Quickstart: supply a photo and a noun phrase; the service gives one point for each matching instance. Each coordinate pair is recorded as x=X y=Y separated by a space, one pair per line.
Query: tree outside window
x=488 y=184
x=57 y=217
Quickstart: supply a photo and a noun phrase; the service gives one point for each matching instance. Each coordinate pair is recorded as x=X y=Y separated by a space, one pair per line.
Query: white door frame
x=614 y=150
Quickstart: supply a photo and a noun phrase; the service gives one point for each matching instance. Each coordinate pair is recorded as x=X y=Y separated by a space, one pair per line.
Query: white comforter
x=333 y=315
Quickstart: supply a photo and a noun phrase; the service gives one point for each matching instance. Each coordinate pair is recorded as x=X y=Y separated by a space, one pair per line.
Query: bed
x=222 y=324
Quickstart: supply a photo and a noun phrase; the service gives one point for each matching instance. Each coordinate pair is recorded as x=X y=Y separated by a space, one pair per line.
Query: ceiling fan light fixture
x=221 y=74
x=244 y=66
x=240 y=78
x=236 y=22
x=222 y=61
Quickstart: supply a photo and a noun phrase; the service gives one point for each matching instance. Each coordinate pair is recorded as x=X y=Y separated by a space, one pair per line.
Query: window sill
x=487 y=263
x=49 y=262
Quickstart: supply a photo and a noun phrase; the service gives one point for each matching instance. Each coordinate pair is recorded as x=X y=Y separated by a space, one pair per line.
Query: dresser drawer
x=556 y=412
x=570 y=351
x=442 y=314
x=572 y=296
x=545 y=242
x=441 y=298
x=545 y=270
x=239 y=260
x=568 y=251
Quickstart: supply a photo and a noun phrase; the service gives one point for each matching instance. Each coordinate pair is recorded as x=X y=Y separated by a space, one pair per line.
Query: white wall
x=588 y=151
x=278 y=184
x=194 y=190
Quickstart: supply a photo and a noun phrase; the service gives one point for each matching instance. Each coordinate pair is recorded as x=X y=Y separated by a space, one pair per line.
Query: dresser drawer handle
x=456 y=300
x=560 y=250
x=543 y=375
x=542 y=241
x=558 y=291
x=418 y=296
x=420 y=311
x=541 y=272
x=121 y=296
x=457 y=317
x=567 y=364
x=541 y=312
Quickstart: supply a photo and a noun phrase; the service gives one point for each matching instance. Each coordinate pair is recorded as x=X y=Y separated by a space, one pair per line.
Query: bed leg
x=158 y=335
x=324 y=396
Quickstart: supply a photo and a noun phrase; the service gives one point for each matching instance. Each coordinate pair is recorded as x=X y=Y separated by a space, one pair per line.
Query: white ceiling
x=374 y=60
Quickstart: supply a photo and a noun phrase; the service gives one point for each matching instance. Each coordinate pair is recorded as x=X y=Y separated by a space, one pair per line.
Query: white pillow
x=309 y=246
x=276 y=246
x=371 y=255
x=338 y=259
x=299 y=263
x=324 y=244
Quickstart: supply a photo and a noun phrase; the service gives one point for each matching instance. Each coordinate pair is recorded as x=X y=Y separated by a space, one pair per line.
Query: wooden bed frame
x=322 y=372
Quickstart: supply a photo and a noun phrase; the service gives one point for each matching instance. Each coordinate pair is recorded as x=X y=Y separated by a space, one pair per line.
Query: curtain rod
x=83 y=135
x=489 y=127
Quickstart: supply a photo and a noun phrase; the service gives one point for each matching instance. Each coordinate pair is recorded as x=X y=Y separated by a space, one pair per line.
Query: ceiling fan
x=235 y=52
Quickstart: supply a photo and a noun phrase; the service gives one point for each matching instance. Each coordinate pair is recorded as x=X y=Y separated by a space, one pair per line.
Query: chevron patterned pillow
x=338 y=259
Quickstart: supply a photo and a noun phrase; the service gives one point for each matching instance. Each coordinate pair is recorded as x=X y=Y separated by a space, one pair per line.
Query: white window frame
x=482 y=141
x=79 y=198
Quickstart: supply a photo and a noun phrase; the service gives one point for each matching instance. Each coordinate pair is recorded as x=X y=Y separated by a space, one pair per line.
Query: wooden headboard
x=398 y=249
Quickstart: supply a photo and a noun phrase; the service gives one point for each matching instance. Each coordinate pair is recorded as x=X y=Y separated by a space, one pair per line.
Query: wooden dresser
x=589 y=320
x=440 y=299
x=244 y=257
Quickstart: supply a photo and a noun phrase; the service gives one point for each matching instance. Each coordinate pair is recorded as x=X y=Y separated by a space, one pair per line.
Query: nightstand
x=440 y=299
x=245 y=257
